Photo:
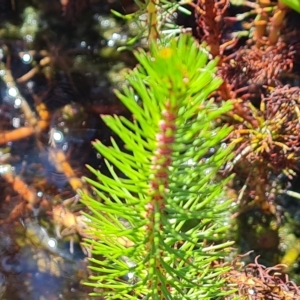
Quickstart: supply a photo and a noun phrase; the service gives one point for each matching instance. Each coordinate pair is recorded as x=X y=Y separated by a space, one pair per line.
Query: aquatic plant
x=139 y=226
x=261 y=282
x=264 y=118
x=254 y=77
x=158 y=220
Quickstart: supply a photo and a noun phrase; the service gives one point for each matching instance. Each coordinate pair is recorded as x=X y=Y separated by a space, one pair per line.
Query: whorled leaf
x=157 y=227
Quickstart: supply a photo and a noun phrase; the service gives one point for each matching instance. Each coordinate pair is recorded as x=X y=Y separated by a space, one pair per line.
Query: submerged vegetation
x=201 y=136
x=264 y=118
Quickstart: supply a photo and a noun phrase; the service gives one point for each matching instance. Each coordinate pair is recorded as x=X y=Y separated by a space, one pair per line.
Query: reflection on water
x=31 y=269
x=34 y=262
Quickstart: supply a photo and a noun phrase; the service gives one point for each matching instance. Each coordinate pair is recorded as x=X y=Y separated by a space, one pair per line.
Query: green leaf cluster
x=155 y=232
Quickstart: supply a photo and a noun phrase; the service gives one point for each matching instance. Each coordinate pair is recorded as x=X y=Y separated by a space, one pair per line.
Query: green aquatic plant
x=157 y=229
x=155 y=18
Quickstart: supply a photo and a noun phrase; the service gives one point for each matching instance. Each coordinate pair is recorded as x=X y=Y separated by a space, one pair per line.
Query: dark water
x=64 y=58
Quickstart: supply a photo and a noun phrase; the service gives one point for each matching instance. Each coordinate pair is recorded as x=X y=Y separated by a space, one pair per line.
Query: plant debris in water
x=59 y=66
x=257 y=43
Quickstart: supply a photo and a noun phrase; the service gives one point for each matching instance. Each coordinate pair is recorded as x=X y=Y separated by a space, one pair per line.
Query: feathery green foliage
x=157 y=228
